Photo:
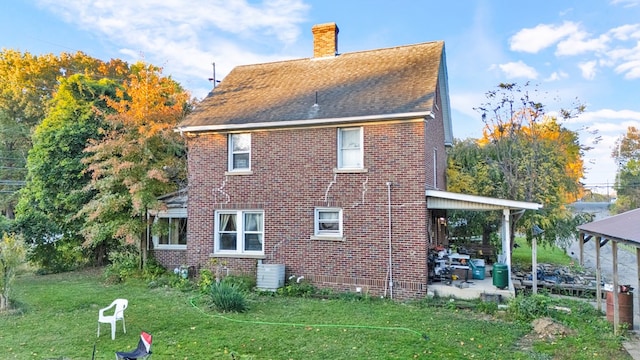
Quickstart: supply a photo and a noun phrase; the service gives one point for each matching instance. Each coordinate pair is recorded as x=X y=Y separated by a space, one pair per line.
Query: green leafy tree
x=469 y=172
x=529 y=156
x=27 y=85
x=12 y=255
x=139 y=158
x=56 y=181
x=627 y=154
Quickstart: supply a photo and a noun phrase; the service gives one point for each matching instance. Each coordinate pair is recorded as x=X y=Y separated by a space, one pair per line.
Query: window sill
x=349 y=171
x=328 y=238
x=238 y=256
x=239 y=172
x=169 y=247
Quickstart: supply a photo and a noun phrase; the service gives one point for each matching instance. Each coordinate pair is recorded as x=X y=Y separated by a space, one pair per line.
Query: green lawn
x=58 y=320
x=546 y=254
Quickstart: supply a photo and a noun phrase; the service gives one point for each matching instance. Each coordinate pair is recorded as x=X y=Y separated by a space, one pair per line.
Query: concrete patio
x=470 y=289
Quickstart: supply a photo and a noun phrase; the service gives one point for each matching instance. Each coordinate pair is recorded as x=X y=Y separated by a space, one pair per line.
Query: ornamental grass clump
x=228 y=298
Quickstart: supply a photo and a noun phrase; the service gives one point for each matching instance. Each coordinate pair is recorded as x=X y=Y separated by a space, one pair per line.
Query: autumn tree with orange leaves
x=139 y=158
x=28 y=84
x=525 y=154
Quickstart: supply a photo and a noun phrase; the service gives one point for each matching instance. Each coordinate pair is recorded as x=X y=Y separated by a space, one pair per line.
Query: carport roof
x=437 y=199
x=622 y=227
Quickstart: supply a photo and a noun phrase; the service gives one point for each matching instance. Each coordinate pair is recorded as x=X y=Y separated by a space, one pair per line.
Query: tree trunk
x=4 y=302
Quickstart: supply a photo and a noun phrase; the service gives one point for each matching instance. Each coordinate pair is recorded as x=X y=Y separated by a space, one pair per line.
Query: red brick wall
x=434 y=139
x=170 y=259
x=293 y=173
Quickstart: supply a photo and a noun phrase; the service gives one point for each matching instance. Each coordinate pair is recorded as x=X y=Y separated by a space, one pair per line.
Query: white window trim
x=230 y=153
x=340 y=166
x=239 y=231
x=172 y=214
x=323 y=235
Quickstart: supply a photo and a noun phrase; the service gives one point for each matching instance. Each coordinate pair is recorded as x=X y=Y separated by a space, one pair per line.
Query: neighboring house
x=322 y=164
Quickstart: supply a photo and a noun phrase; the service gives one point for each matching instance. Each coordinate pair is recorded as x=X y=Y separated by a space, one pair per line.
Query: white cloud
x=185 y=37
x=532 y=40
x=625 y=32
x=603 y=128
x=588 y=69
x=578 y=43
x=557 y=75
x=626 y=3
x=611 y=48
x=518 y=69
x=630 y=68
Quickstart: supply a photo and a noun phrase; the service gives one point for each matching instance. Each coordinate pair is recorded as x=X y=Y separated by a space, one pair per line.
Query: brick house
x=321 y=164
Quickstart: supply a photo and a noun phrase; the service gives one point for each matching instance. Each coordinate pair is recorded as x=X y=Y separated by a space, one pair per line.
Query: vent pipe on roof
x=325 y=40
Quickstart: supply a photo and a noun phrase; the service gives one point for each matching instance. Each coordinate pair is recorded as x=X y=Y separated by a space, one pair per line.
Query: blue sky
x=585 y=49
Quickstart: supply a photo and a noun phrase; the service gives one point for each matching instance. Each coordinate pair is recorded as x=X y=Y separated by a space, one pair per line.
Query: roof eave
x=303 y=123
x=487 y=203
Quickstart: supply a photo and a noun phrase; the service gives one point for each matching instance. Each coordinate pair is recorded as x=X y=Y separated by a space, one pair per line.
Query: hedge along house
x=321 y=165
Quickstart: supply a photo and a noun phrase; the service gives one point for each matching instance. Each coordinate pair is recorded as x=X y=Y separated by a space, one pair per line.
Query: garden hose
x=370 y=327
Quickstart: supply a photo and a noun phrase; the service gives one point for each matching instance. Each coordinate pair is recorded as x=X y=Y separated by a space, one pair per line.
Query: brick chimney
x=325 y=40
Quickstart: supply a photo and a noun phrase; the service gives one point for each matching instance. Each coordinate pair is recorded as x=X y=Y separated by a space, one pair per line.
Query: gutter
x=301 y=123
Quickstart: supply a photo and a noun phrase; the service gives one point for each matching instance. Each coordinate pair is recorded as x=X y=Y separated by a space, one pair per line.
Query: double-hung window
x=239 y=232
x=239 y=152
x=328 y=222
x=350 y=142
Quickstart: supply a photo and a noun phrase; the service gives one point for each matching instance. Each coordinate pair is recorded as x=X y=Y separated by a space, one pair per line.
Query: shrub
x=205 y=281
x=124 y=265
x=152 y=269
x=297 y=286
x=527 y=308
x=227 y=298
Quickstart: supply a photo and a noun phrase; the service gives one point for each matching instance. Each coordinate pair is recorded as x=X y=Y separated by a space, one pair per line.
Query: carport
x=619 y=229
x=445 y=200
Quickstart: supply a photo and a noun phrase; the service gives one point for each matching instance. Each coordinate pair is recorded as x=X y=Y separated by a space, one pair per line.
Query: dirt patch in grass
x=544 y=329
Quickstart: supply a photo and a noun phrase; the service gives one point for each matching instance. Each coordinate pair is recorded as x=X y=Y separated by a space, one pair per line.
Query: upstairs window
x=350 y=148
x=239 y=152
x=239 y=232
x=328 y=222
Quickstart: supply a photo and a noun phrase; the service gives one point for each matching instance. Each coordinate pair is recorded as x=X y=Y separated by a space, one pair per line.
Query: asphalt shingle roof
x=625 y=226
x=387 y=81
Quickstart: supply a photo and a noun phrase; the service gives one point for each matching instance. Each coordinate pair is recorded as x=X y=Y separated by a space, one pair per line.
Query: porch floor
x=471 y=289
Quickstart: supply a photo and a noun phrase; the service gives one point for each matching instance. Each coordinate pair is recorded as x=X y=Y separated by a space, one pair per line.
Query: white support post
x=534 y=264
x=581 y=246
x=507 y=234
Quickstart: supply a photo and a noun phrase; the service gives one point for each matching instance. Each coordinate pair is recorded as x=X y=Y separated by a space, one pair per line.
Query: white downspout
x=390 y=248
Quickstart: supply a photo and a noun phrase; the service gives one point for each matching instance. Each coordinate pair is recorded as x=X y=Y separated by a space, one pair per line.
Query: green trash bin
x=500 y=276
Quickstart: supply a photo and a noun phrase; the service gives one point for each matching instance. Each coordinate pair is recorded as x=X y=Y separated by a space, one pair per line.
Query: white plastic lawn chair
x=120 y=306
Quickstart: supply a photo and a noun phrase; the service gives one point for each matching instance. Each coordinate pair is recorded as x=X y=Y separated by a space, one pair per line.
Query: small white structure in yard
x=270 y=277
